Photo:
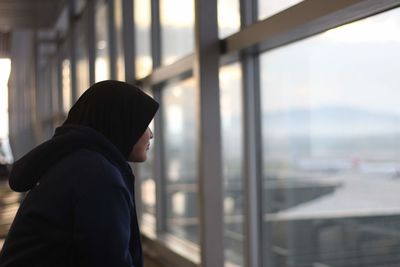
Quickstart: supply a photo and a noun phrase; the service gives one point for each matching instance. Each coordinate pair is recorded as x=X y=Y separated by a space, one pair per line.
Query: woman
x=80 y=209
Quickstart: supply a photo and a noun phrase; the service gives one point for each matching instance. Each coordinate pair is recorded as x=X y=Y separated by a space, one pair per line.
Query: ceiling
x=29 y=14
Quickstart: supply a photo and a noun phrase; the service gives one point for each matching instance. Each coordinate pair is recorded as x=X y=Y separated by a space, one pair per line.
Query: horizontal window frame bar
x=303 y=20
x=164 y=73
x=164 y=249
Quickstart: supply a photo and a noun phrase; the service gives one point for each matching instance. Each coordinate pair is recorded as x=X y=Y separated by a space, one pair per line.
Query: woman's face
x=139 y=150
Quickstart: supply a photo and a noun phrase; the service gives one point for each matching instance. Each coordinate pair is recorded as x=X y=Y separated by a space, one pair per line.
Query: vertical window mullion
x=155 y=42
x=59 y=58
x=128 y=41
x=159 y=176
x=112 y=39
x=72 y=48
x=252 y=141
x=206 y=73
x=91 y=33
x=155 y=33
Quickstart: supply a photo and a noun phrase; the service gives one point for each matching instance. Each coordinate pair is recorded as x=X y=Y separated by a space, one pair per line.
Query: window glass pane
x=179 y=101
x=228 y=17
x=232 y=161
x=177 y=21
x=120 y=61
x=66 y=76
x=82 y=58
x=102 y=63
x=267 y=8
x=144 y=62
x=66 y=84
x=331 y=147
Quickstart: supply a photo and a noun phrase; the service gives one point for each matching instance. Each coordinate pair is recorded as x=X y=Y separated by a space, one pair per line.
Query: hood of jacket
x=27 y=171
x=118 y=110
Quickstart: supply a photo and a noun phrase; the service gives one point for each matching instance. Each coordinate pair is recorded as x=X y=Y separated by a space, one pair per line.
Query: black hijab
x=118 y=110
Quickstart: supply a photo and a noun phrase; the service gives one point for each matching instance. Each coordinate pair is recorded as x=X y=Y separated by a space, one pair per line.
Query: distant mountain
x=331 y=121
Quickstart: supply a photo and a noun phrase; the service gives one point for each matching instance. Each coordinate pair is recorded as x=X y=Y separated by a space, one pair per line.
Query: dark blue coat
x=80 y=208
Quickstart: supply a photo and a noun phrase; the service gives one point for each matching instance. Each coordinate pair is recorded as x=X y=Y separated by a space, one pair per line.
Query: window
x=228 y=17
x=144 y=62
x=120 y=61
x=179 y=101
x=232 y=161
x=268 y=8
x=177 y=20
x=102 y=63
x=331 y=160
x=66 y=84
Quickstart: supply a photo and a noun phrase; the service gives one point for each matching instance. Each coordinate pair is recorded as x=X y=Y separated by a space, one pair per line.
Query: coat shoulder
x=91 y=166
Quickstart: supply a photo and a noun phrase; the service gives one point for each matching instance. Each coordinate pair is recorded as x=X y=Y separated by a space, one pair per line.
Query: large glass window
x=144 y=62
x=331 y=147
x=177 y=21
x=102 y=63
x=179 y=101
x=120 y=61
x=232 y=161
x=267 y=8
x=228 y=17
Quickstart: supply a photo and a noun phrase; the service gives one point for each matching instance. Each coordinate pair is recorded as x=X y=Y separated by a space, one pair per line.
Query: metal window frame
x=252 y=210
x=90 y=10
x=128 y=41
x=73 y=50
x=210 y=192
x=112 y=52
x=159 y=160
x=156 y=45
x=159 y=169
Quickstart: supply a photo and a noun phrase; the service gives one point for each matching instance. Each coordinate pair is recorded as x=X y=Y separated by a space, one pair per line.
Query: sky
x=354 y=65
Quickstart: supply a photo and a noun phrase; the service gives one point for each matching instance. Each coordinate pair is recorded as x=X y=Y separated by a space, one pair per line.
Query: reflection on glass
x=232 y=161
x=177 y=21
x=179 y=102
x=102 y=63
x=66 y=84
x=82 y=60
x=228 y=17
x=144 y=62
x=267 y=8
x=148 y=187
x=120 y=61
x=331 y=147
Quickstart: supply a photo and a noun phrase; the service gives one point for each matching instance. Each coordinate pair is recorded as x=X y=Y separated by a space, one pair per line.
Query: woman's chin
x=138 y=159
